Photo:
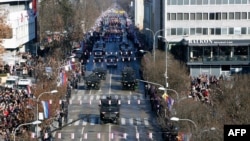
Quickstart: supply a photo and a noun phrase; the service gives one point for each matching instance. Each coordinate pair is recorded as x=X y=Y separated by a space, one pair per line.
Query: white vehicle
x=23 y=84
x=11 y=81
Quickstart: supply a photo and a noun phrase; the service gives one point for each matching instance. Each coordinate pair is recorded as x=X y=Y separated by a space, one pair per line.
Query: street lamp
x=178 y=119
x=37 y=101
x=31 y=123
x=154 y=36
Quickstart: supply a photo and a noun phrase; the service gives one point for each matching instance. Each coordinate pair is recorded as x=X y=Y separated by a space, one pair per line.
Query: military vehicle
x=125 y=51
x=112 y=60
x=99 y=54
x=109 y=110
x=100 y=72
x=92 y=81
x=128 y=79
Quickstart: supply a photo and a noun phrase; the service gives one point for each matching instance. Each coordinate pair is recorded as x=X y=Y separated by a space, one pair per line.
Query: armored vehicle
x=109 y=110
x=99 y=54
x=128 y=79
x=100 y=72
x=92 y=81
x=112 y=60
x=126 y=52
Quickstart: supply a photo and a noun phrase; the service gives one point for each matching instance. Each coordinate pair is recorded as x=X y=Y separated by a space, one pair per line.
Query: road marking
x=138 y=121
x=123 y=121
x=97 y=97
x=70 y=121
x=84 y=121
x=146 y=121
x=131 y=121
x=77 y=122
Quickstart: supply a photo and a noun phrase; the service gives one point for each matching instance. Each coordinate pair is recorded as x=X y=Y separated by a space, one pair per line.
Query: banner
x=45 y=105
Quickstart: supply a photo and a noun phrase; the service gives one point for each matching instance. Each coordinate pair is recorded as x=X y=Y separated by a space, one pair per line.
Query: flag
x=170 y=103
x=70 y=65
x=45 y=108
x=28 y=90
x=165 y=97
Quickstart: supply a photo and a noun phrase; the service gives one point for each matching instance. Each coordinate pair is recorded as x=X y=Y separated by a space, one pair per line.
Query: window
x=198 y=16
x=179 y=16
x=231 y=1
x=231 y=30
x=205 y=16
x=199 y=2
x=186 y=16
x=179 y=31
x=211 y=31
x=180 y=2
x=244 y=1
x=225 y=1
x=218 y=16
x=192 y=16
x=217 y=31
x=205 y=2
x=186 y=31
x=237 y=15
x=248 y=29
x=192 y=2
x=198 y=31
x=224 y=16
x=218 y=1
x=205 y=31
x=238 y=2
x=244 y=15
x=243 y=30
x=212 y=1
x=173 y=2
x=186 y=2
x=173 y=31
x=231 y=15
x=211 y=16
x=192 y=31
x=173 y=16
x=223 y=31
x=168 y=16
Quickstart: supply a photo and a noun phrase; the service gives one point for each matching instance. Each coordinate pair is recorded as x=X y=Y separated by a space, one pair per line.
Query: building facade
x=218 y=34
x=21 y=18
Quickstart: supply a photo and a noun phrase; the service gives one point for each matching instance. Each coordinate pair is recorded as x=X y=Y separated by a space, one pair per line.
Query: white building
x=21 y=18
x=218 y=32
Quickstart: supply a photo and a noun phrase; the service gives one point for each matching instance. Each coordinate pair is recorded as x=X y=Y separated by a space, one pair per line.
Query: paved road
x=136 y=120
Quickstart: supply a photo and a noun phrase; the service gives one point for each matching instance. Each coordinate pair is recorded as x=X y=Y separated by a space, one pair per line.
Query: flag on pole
x=45 y=108
x=170 y=103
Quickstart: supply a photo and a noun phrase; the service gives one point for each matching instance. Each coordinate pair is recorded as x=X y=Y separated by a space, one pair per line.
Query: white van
x=24 y=83
x=11 y=82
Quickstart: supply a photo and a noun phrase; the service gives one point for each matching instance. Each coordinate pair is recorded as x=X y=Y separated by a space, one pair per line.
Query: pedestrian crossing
x=104 y=96
x=129 y=99
x=123 y=121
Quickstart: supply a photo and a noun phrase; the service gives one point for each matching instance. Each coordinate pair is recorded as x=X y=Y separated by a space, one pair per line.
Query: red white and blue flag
x=45 y=108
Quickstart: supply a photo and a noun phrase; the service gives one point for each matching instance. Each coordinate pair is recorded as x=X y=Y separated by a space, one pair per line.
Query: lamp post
x=178 y=119
x=154 y=36
x=31 y=123
x=37 y=101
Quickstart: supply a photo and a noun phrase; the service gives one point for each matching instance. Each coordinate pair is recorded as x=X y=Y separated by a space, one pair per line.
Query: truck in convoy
x=128 y=79
x=109 y=110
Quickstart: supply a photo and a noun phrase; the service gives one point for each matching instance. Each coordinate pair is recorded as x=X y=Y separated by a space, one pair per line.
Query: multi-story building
x=21 y=17
x=218 y=34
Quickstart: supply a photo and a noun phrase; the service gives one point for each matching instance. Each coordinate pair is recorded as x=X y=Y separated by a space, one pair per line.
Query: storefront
x=218 y=57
